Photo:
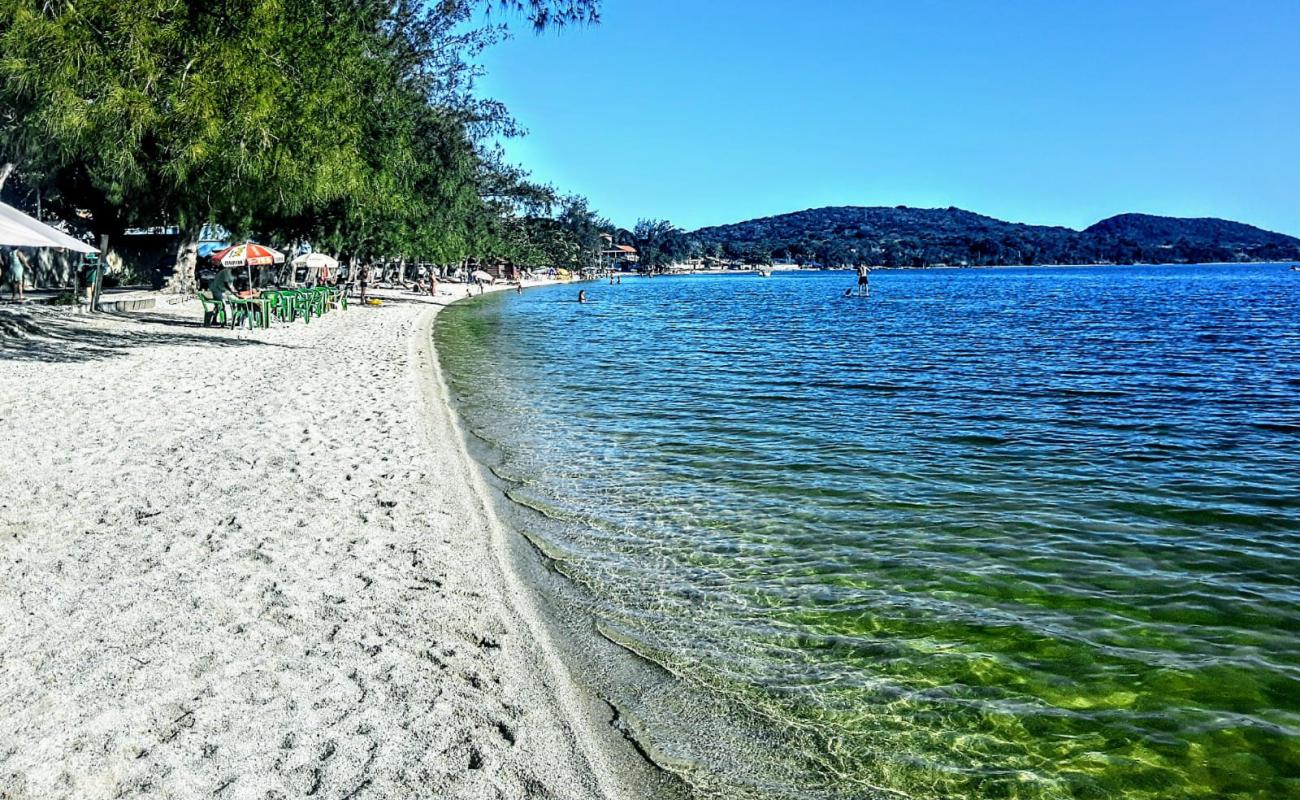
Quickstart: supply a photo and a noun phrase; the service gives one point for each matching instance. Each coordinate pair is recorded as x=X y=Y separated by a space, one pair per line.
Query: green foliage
x=349 y=123
x=659 y=243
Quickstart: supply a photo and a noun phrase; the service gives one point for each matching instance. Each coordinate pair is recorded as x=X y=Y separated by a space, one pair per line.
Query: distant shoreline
x=792 y=268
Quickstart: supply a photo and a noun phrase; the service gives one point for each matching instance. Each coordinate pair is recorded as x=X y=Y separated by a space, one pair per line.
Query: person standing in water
x=863 y=288
x=582 y=295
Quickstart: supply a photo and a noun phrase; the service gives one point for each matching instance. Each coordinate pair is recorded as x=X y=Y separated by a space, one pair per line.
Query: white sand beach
x=260 y=564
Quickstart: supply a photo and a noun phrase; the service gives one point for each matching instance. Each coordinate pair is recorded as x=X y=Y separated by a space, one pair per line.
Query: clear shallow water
x=990 y=533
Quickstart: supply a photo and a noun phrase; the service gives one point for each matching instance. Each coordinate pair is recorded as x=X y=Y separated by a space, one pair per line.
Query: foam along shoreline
x=261 y=563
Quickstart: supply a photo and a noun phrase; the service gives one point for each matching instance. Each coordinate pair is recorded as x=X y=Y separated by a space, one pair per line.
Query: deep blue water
x=986 y=533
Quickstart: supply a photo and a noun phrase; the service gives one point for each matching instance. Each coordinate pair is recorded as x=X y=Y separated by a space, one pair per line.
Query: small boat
x=763 y=272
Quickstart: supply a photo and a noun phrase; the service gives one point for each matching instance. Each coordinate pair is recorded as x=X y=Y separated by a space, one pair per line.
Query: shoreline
x=242 y=563
x=684 y=735
x=525 y=568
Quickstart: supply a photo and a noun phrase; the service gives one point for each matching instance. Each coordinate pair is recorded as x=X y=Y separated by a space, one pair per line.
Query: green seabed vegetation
x=968 y=702
x=909 y=704
x=901 y=711
x=916 y=713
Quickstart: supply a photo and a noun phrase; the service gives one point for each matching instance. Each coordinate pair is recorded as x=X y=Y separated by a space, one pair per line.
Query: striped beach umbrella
x=248 y=255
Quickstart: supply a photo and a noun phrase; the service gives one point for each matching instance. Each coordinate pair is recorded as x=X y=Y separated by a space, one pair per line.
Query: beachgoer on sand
x=89 y=273
x=363 y=278
x=16 y=273
x=222 y=284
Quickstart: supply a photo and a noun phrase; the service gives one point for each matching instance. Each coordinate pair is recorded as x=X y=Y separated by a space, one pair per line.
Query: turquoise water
x=988 y=533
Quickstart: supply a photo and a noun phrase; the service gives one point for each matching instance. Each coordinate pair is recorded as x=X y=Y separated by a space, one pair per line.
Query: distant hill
x=903 y=236
x=1203 y=230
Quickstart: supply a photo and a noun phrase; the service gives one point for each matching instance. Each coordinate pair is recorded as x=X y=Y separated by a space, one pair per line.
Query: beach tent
x=19 y=230
x=316 y=260
x=480 y=275
x=316 y=264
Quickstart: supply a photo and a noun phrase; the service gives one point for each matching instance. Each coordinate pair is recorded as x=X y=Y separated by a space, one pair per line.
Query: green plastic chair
x=303 y=305
x=289 y=304
x=275 y=305
x=240 y=312
x=321 y=299
x=214 y=311
x=250 y=310
x=261 y=311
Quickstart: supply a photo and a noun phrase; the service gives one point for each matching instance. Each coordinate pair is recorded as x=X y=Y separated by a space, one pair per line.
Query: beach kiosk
x=21 y=230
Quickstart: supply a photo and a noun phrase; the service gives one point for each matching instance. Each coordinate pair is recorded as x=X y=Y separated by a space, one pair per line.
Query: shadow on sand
x=54 y=336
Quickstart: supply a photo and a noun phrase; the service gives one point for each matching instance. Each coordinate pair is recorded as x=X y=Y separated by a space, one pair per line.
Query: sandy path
x=259 y=565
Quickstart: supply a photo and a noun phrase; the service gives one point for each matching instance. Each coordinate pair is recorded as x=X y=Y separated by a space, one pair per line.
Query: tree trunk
x=185 y=279
x=6 y=170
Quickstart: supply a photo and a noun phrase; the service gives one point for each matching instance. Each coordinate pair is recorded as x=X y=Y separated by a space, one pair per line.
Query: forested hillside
x=902 y=236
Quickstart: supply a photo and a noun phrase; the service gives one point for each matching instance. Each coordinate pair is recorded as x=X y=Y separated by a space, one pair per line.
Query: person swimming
x=582 y=295
x=848 y=292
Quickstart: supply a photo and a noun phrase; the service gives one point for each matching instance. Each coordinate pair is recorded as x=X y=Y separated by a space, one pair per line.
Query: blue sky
x=1045 y=111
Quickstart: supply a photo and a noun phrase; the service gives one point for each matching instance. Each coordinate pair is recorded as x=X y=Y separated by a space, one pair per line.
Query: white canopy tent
x=316 y=261
x=315 y=267
x=19 y=230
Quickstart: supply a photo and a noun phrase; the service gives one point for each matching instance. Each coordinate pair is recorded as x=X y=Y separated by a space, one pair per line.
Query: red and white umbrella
x=248 y=255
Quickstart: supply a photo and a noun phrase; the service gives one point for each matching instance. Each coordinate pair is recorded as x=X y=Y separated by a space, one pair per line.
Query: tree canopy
x=350 y=123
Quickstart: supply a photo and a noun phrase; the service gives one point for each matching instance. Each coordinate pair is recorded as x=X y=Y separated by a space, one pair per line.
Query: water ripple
x=1026 y=533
